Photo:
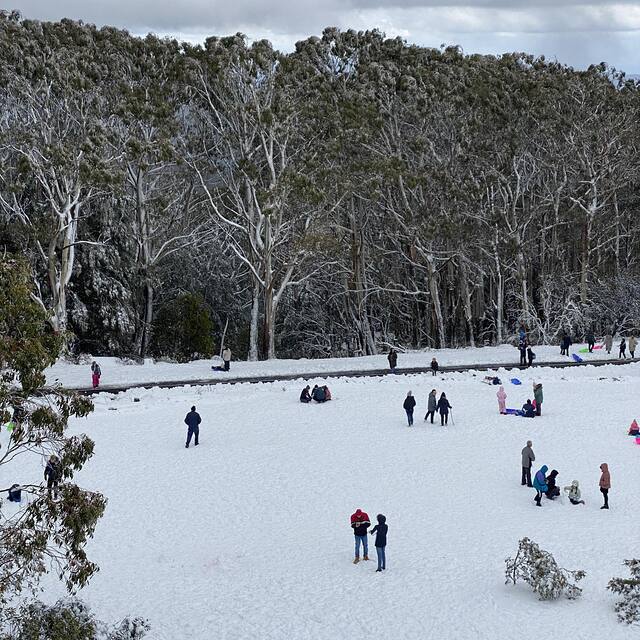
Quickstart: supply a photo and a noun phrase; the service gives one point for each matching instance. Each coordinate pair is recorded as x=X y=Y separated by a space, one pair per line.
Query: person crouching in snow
x=443 y=409
x=574 y=493
x=528 y=410
x=381 y=540
x=605 y=484
x=502 y=400
x=408 y=405
x=540 y=484
x=360 y=523
x=305 y=396
x=95 y=374
x=553 y=490
x=327 y=393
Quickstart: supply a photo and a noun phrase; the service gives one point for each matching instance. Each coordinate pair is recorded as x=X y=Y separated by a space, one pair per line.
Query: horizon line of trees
x=355 y=193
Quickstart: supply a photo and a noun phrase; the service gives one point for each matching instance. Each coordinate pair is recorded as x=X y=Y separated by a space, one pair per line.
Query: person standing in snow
x=528 y=458
x=360 y=523
x=381 y=541
x=443 y=407
x=192 y=421
x=434 y=366
x=530 y=355
x=393 y=360
x=52 y=473
x=608 y=342
x=633 y=343
x=540 y=484
x=591 y=341
x=574 y=493
x=539 y=397
x=432 y=404
x=502 y=400
x=95 y=374
x=605 y=484
x=409 y=404
x=226 y=357
x=565 y=343
x=552 y=489
x=522 y=348
x=623 y=349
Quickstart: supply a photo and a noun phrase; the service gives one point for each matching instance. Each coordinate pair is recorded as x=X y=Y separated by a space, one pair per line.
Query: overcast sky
x=574 y=32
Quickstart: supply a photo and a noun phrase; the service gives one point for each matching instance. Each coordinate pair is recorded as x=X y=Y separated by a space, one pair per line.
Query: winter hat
x=381 y=519
x=408 y=394
x=193 y=408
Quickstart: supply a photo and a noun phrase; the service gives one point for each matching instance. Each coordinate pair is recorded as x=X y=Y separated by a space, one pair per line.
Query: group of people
x=318 y=393
x=441 y=406
x=524 y=347
x=392 y=357
x=360 y=523
x=529 y=409
x=547 y=484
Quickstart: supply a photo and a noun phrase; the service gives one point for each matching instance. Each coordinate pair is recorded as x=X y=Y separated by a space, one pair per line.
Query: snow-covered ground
x=116 y=373
x=248 y=536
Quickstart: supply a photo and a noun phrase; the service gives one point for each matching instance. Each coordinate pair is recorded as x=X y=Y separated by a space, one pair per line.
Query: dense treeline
x=357 y=192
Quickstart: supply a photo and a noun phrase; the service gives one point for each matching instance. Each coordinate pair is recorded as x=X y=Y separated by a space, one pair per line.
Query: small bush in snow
x=69 y=619
x=539 y=570
x=628 y=609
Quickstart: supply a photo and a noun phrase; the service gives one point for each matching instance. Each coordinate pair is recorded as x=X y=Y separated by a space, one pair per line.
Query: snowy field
x=248 y=536
x=114 y=372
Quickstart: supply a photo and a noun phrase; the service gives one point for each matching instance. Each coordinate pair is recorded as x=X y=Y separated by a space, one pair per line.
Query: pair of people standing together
x=360 y=523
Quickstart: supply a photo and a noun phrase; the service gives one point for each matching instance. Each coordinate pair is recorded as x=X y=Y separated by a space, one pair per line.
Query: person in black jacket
x=552 y=489
x=52 y=475
x=527 y=410
x=530 y=355
x=393 y=360
x=409 y=404
x=443 y=407
x=305 y=396
x=434 y=367
x=381 y=541
x=192 y=421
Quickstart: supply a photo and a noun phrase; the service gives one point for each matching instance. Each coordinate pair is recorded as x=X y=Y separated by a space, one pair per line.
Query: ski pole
x=453 y=422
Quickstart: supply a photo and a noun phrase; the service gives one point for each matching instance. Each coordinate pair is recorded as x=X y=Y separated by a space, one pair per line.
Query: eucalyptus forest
x=355 y=193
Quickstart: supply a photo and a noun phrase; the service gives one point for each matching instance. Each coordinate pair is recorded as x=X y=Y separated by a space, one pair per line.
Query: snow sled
x=638 y=440
x=576 y=357
x=585 y=350
x=515 y=381
x=513 y=412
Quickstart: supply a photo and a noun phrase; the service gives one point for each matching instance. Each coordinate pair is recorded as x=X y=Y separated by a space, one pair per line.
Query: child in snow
x=502 y=400
x=381 y=540
x=434 y=367
x=408 y=405
x=327 y=393
x=634 y=429
x=360 y=523
x=528 y=410
x=574 y=493
x=552 y=489
x=530 y=355
x=432 y=405
x=605 y=484
x=95 y=374
x=52 y=475
x=443 y=408
x=305 y=396
x=540 y=484
x=538 y=396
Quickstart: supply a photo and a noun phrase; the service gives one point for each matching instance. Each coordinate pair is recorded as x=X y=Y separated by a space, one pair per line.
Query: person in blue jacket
x=192 y=421
x=540 y=484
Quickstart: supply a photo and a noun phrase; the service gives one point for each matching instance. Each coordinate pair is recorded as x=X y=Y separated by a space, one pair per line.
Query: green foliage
x=183 y=329
x=628 y=607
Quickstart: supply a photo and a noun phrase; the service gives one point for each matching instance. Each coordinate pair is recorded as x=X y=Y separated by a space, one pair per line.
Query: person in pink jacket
x=502 y=400
x=605 y=484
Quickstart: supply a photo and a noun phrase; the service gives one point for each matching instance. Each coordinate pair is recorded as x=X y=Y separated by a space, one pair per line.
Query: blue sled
x=515 y=381
x=576 y=357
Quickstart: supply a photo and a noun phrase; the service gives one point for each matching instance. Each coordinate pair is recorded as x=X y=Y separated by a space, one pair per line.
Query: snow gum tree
x=42 y=532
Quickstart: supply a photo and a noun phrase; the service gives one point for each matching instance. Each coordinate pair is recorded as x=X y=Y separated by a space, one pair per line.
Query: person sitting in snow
x=574 y=493
x=305 y=396
x=327 y=393
x=553 y=491
x=528 y=410
x=540 y=484
x=318 y=394
x=360 y=523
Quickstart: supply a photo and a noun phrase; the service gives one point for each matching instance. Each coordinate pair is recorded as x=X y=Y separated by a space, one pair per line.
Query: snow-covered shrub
x=628 y=609
x=539 y=570
x=68 y=619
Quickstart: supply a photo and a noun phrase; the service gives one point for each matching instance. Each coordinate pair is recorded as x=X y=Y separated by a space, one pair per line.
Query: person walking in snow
x=552 y=489
x=432 y=405
x=538 y=397
x=608 y=342
x=393 y=360
x=591 y=341
x=95 y=374
x=226 y=357
x=443 y=407
x=381 y=541
x=360 y=523
x=633 y=343
x=540 y=484
x=409 y=404
x=193 y=421
x=434 y=366
x=52 y=474
x=528 y=458
x=502 y=400
x=573 y=492
x=623 y=349
x=605 y=484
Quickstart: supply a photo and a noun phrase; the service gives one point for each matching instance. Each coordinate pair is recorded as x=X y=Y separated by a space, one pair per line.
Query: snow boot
x=378 y=570
x=367 y=557
x=356 y=560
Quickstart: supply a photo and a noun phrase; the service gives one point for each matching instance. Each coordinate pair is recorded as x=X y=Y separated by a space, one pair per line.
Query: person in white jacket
x=226 y=356
x=574 y=493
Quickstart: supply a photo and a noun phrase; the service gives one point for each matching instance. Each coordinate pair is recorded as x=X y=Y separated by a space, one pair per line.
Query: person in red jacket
x=360 y=523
